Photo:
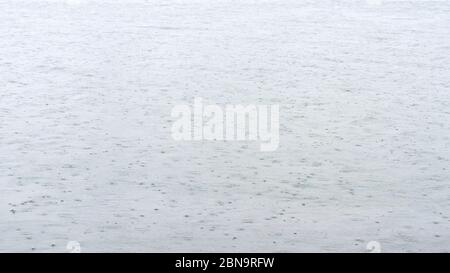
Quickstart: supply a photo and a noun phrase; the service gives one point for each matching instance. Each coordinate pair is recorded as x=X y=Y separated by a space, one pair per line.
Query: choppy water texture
x=86 y=90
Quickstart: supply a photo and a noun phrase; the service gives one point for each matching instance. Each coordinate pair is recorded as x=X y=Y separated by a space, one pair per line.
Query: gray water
x=86 y=155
